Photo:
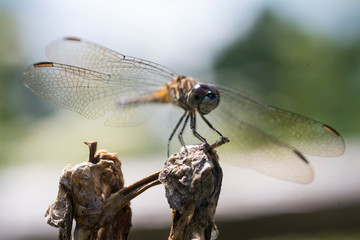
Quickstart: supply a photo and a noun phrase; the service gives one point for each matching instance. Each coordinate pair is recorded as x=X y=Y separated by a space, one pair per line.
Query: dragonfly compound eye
x=204 y=98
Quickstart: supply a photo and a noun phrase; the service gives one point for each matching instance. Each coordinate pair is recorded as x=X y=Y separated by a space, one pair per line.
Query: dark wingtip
x=43 y=64
x=330 y=130
x=72 y=39
x=301 y=155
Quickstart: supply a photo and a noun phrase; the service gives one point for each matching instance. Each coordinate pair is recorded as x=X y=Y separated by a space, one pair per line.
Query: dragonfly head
x=204 y=98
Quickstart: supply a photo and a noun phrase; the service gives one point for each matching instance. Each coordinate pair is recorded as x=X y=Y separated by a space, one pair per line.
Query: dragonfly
x=123 y=91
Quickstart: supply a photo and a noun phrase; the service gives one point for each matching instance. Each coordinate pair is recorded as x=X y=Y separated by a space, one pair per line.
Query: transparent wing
x=251 y=148
x=97 y=82
x=90 y=93
x=84 y=54
x=306 y=135
x=268 y=139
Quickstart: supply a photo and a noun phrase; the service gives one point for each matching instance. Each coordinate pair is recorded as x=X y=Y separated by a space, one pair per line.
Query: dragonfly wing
x=306 y=135
x=268 y=139
x=84 y=54
x=252 y=148
x=97 y=82
x=92 y=94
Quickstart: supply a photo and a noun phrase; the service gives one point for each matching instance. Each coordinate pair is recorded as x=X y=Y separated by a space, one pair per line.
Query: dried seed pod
x=192 y=180
x=84 y=189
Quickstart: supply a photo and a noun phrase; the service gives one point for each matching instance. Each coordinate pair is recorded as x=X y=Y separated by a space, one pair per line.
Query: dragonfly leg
x=182 y=130
x=193 y=127
x=173 y=132
x=211 y=126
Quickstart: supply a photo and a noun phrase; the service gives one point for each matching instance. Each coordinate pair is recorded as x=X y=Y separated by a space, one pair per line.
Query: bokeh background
x=303 y=56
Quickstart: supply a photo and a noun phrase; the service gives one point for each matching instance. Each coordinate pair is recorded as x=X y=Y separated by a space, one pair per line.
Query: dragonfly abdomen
x=159 y=96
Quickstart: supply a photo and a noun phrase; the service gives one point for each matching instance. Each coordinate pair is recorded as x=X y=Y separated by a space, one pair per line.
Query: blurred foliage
x=9 y=73
x=9 y=56
x=296 y=70
x=15 y=99
x=13 y=96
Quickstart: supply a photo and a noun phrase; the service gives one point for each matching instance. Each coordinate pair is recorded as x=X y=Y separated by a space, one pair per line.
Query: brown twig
x=125 y=195
x=219 y=142
x=92 y=151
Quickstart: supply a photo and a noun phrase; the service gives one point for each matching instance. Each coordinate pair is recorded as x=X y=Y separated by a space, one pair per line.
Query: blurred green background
x=295 y=68
x=303 y=56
